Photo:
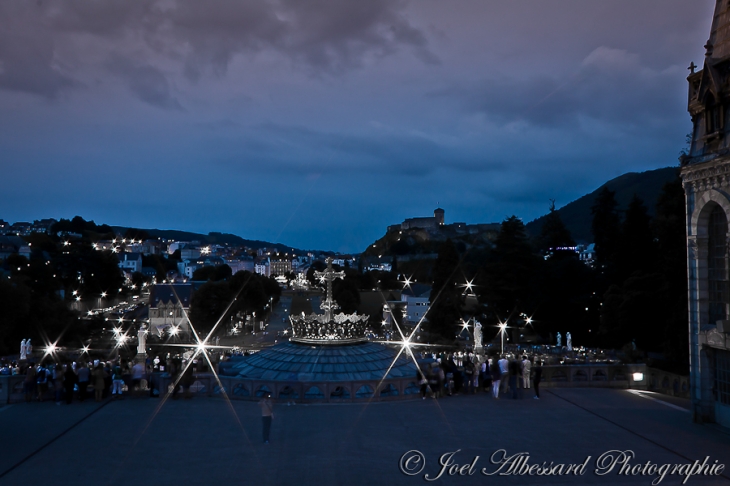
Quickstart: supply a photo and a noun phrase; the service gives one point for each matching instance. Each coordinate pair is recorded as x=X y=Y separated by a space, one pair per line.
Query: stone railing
x=206 y=384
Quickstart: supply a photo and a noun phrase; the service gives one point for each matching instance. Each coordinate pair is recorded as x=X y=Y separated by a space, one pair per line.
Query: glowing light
x=51 y=348
x=528 y=320
x=174 y=330
x=638 y=376
x=103 y=294
x=78 y=298
x=85 y=349
x=75 y=292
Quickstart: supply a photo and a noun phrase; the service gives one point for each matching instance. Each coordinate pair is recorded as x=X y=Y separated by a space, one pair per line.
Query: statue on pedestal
x=23 y=350
x=560 y=340
x=569 y=341
x=477 y=335
x=142 y=340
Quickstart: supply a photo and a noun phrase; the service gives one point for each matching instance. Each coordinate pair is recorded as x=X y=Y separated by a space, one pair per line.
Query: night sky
x=318 y=123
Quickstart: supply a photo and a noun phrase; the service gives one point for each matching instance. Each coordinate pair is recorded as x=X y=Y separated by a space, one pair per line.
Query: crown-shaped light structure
x=329 y=328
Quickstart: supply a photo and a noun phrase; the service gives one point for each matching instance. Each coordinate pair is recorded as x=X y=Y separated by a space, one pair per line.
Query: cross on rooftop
x=329 y=275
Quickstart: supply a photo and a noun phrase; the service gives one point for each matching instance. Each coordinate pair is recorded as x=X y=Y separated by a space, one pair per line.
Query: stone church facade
x=705 y=173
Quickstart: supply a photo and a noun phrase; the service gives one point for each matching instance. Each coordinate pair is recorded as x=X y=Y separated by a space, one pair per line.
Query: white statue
x=142 y=340
x=23 y=350
x=477 y=335
x=560 y=340
x=28 y=347
x=569 y=341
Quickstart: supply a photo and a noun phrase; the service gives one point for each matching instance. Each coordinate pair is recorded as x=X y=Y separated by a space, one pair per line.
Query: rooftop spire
x=718 y=47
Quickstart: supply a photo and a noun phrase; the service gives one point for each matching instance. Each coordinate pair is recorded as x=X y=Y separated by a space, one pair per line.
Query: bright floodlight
x=50 y=348
x=528 y=320
x=174 y=330
x=85 y=349
x=103 y=294
x=638 y=376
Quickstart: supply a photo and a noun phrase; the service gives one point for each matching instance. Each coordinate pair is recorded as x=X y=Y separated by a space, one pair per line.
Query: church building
x=705 y=173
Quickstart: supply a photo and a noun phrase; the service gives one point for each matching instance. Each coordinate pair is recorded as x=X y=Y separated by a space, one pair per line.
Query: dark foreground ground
x=215 y=442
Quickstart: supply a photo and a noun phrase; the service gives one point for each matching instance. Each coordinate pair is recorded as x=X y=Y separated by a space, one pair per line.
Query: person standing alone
x=267 y=415
x=536 y=378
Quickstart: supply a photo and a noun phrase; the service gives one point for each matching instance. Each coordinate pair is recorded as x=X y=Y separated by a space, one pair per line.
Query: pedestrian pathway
x=211 y=441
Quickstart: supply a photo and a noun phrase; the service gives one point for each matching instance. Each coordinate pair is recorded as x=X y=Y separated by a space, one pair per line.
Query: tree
x=555 y=235
x=136 y=234
x=444 y=314
x=508 y=280
x=346 y=294
x=214 y=273
x=669 y=229
x=606 y=228
x=636 y=248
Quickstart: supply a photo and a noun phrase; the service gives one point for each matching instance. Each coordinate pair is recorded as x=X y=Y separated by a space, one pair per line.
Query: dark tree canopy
x=636 y=249
x=444 y=313
x=214 y=273
x=554 y=235
x=509 y=275
x=606 y=227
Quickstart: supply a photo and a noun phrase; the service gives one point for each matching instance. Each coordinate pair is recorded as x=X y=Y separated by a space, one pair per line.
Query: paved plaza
x=210 y=441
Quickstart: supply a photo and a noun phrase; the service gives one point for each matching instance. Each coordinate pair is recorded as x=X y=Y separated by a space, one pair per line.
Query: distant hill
x=577 y=214
x=212 y=238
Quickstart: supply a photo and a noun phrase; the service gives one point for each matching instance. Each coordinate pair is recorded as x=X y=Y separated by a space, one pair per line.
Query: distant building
x=418 y=300
x=43 y=225
x=131 y=262
x=169 y=306
x=280 y=266
x=240 y=264
x=425 y=223
x=262 y=268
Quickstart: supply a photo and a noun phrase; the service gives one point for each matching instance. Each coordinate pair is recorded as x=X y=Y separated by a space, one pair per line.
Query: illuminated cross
x=329 y=275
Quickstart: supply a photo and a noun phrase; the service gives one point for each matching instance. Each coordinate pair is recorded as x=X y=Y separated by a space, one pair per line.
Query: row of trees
x=635 y=291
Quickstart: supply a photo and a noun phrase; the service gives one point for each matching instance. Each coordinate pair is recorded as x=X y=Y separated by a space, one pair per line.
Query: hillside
x=212 y=238
x=577 y=214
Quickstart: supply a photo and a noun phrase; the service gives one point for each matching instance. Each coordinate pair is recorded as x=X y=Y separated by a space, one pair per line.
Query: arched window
x=712 y=115
x=717 y=264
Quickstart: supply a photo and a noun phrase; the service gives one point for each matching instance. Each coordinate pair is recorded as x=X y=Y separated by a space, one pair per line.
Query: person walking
x=83 y=374
x=117 y=381
x=515 y=370
x=29 y=383
x=138 y=374
x=496 y=377
x=526 y=368
x=69 y=382
x=267 y=415
x=58 y=382
x=469 y=375
x=503 y=373
x=423 y=382
x=42 y=381
x=99 y=376
x=536 y=378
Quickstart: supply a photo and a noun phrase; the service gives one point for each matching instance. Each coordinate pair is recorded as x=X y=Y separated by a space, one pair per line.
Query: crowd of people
x=69 y=381
x=500 y=375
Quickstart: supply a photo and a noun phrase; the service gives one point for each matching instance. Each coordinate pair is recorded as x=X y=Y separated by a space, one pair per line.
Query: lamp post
x=502 y=327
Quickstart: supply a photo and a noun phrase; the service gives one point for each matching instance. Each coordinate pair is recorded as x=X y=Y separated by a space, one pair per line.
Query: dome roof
x=290 y=361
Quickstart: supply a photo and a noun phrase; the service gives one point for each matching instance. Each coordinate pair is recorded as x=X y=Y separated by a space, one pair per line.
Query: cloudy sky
x=318 y=123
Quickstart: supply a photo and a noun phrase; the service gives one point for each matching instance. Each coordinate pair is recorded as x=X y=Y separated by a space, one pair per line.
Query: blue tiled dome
x=290 y=362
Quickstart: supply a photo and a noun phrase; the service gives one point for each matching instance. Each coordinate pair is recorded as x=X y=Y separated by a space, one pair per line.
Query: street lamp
x=502 y=328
